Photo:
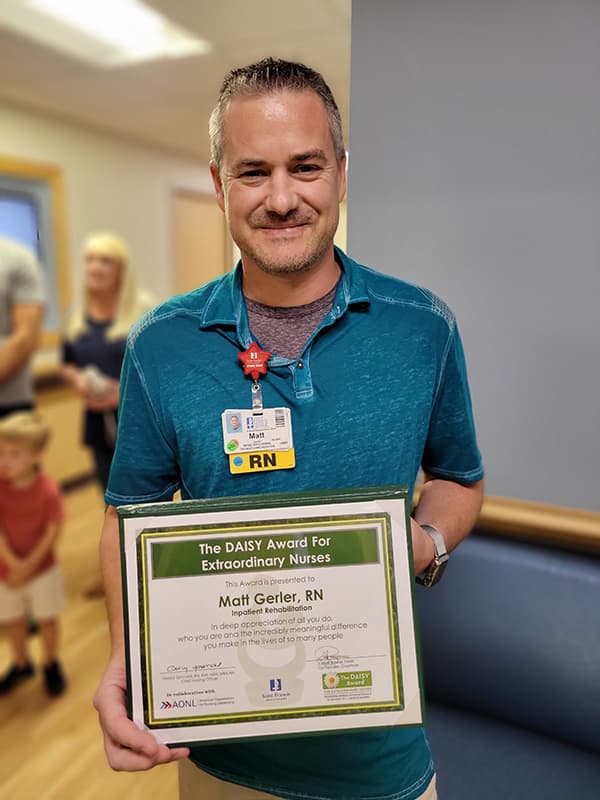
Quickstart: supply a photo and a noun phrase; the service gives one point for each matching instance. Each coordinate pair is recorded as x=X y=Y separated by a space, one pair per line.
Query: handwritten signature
x=327 y=652
x=194 y=667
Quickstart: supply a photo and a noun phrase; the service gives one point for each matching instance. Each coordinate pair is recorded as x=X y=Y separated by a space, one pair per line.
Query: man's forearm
x=14 y=354
x=19 y=347
x=110 y=562
x=450 y=507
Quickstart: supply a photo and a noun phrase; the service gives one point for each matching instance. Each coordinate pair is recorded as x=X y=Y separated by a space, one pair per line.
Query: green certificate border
x=300 y=524
x=258 y=502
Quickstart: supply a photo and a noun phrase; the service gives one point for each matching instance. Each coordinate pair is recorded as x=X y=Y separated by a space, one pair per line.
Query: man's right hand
x=127 y=747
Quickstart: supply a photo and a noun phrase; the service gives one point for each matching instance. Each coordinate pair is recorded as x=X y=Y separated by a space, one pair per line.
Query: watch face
x=438 y=571
x=433 y=575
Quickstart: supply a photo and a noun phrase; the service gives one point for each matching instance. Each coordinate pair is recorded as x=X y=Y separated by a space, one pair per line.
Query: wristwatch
x=435 y=570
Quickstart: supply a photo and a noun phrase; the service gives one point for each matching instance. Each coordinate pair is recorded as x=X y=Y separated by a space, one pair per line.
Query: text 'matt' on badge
x=255 y=361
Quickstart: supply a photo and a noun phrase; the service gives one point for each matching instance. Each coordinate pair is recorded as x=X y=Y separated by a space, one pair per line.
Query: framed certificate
x=270 y=615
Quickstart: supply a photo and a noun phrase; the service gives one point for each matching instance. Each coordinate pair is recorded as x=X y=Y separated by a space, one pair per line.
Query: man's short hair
x=25 y=427
x=266 y=77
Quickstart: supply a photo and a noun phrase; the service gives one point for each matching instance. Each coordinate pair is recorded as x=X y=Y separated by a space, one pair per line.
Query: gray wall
x=475 y=171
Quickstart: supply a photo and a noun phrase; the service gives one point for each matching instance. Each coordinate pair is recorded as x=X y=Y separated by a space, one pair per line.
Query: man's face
x=280 y=184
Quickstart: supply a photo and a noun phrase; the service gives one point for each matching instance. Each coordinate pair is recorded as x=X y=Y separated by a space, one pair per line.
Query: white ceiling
x=168 y=103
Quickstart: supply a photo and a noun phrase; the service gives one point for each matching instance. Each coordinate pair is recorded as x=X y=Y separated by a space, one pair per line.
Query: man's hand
x=127 y=747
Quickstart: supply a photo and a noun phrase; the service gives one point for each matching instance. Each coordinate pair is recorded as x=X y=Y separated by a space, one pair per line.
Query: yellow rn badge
x=262 y=461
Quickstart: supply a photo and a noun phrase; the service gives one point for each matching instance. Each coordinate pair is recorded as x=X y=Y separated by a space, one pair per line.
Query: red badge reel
x=254 y=361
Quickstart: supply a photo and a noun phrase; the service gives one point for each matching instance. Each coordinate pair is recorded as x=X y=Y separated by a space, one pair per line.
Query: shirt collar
x=226 y=307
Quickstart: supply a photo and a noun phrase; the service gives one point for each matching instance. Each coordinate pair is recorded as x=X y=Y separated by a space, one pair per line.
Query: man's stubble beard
x=293 y=266
x=301 y=263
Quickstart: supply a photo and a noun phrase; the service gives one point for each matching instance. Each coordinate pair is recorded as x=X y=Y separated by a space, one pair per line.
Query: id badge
x=251 y=431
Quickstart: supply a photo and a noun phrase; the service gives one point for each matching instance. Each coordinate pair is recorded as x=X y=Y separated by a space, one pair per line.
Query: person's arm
x=6 y=553
x=74 y=377
x=452 y=508
x=25 y=566
x=15 y=352
x=127 y=747
x=106 y=401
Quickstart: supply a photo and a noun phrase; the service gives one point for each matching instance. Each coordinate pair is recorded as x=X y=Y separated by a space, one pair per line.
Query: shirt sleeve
x=144 y=467
x=451 y=450
x=27 y=284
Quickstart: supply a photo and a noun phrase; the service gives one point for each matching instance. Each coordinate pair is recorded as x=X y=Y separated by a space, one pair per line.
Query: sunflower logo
x=331 y=680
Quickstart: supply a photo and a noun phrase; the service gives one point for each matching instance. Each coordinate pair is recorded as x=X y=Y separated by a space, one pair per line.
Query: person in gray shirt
x=22 y=301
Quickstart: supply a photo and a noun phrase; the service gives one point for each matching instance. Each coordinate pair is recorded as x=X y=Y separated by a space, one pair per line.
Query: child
x=31 y=512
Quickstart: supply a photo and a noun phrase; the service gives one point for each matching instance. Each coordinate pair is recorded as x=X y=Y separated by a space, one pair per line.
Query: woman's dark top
x=93 y=348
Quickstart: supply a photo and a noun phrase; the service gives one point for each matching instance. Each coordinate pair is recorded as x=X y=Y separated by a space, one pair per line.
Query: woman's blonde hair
x=133 y=301
x=25 y=427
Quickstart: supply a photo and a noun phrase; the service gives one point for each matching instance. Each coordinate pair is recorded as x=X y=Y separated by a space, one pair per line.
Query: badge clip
x=257 y=401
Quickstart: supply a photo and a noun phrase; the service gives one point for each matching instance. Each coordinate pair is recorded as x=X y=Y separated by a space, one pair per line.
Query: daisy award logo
x=331 y=680
x=361 y=679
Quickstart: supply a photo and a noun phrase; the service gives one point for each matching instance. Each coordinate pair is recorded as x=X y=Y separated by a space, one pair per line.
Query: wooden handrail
x=557 y=525
x=560 y=526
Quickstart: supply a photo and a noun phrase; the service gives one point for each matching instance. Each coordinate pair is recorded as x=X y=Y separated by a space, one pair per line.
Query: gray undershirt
x=285 y=330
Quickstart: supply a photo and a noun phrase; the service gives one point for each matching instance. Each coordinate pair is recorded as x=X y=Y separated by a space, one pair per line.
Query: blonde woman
x=94 y=344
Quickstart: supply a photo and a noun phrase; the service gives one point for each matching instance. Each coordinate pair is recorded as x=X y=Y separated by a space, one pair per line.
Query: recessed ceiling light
x=112 y=33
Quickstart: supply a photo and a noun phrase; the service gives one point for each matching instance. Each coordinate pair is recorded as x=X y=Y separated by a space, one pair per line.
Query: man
x=371 y=368
x=234 y=424
x=21 y=315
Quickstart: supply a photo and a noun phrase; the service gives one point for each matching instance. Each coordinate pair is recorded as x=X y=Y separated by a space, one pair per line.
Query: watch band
x=435 y=570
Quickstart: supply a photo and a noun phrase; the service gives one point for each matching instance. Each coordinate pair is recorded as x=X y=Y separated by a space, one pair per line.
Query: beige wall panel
x=200 y=248
x=111 y=183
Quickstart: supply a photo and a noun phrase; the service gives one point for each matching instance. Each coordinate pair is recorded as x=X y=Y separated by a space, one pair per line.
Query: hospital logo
x=275 y=685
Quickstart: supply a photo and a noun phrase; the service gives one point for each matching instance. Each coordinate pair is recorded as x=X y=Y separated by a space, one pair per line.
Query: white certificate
x=270 y=615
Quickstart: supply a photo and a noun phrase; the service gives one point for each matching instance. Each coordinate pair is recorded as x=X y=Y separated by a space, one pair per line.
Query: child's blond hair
x=25 y=427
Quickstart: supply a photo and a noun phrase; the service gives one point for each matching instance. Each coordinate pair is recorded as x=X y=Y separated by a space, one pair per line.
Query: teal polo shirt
x=379 y=391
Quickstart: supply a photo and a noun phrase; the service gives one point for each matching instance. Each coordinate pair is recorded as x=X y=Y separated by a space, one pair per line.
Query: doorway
x=201 y=244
